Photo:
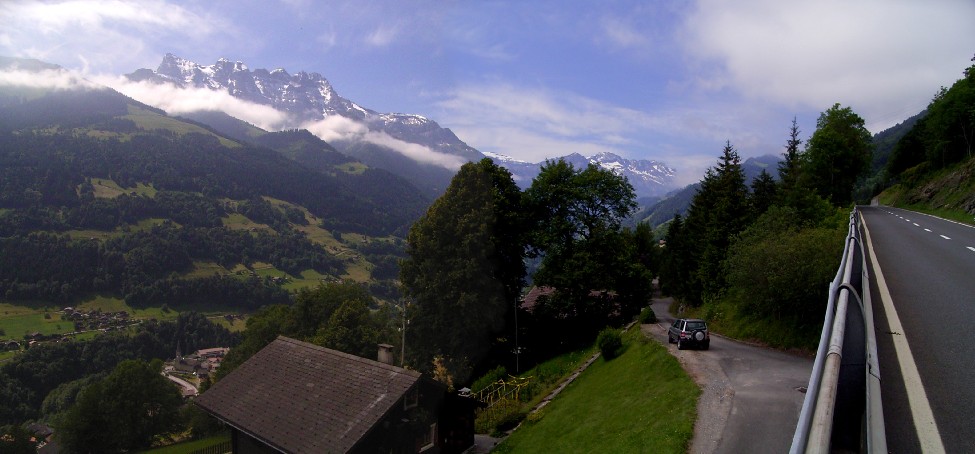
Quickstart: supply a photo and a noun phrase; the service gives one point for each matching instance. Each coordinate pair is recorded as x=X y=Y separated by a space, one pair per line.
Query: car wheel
x=699 y=336
x=670 y=339
x=707 y=345
x=680 y=345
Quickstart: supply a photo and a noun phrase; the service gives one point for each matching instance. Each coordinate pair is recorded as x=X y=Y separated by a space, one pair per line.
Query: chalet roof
x=299 y=397
x=534 y=294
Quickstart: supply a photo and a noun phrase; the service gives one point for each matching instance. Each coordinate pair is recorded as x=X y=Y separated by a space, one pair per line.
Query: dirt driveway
x=750 y=395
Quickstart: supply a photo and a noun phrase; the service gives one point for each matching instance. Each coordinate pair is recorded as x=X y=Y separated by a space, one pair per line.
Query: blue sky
x=665 y=80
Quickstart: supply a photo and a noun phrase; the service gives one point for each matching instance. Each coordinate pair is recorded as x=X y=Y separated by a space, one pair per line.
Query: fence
x=851 y=383
x=503 y=396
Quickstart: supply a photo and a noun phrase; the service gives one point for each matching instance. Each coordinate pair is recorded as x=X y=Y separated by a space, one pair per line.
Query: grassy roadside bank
x=641 y=401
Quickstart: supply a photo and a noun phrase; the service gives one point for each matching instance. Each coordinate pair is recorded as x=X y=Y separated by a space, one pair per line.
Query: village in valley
x=188 y=371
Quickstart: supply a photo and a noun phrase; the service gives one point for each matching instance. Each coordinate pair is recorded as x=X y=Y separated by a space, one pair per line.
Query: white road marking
x=916 y=225
x=942 y=236
x=927 y=230
x=927 y=428
x=971 y=248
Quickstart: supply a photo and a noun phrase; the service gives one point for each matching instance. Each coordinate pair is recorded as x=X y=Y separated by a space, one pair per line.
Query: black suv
x=689 y=331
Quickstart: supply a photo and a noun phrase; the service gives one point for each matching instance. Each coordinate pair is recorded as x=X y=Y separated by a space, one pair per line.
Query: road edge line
x=927 y=428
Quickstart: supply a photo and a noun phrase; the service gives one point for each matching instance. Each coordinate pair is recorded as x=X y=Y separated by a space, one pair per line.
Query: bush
x=647 y=316
x=609 y=342
x=509 y=422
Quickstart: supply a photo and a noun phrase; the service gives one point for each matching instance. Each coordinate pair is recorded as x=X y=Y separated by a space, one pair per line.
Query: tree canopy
x=467 y=255
x=464 y=269
x=837 y=154
x=124 y=412
x=946 y=135
x=334 y=315
x=719 y=211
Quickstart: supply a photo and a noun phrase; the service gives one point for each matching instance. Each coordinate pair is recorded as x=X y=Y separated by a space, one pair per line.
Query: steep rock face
x=309 y=97
x=306 y=96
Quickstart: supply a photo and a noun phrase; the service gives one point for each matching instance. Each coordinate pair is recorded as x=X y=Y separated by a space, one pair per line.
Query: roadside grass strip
x=641 y=401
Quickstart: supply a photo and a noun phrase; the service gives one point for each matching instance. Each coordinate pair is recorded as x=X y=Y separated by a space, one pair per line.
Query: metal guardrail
x=815 y=430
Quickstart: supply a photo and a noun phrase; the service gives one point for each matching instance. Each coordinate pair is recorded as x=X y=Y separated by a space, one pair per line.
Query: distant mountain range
x=657 y=212
x=649 y=178
x=309 y=97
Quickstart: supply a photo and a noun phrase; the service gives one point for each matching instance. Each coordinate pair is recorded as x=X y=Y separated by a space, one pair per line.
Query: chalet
x=535 y=296
x=296 y=397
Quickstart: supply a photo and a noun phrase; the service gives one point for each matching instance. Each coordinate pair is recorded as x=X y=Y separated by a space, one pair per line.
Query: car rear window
x=696 y=325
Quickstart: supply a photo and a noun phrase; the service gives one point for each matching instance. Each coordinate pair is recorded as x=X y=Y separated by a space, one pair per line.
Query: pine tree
x=764 y=190
x=789 y=167
x=718 y=211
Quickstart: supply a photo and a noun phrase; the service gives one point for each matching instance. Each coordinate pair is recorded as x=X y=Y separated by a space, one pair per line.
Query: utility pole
x=402 y=353
x=517 y=348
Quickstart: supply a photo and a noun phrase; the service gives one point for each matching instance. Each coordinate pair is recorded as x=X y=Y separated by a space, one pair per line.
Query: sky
x=667 y=80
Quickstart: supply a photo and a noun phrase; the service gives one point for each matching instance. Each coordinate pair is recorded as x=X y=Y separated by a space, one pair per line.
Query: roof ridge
x=349 y=356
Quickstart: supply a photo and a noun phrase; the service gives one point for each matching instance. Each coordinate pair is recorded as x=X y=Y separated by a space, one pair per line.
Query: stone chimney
x=386 y=353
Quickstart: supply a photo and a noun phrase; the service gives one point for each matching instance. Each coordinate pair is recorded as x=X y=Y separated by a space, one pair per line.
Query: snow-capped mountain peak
x=308 y=97
x=648 y=177
x=500 y=158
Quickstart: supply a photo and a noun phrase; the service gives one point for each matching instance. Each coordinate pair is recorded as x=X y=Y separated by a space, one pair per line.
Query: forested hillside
x=104 y=200
x=930 y=167
x=102 y=194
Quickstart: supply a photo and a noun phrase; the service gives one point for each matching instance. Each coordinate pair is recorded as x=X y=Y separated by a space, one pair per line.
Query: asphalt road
x=751 y=395
x=929 y=268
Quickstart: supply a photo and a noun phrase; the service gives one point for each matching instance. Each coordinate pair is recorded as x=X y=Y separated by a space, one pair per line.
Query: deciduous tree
x=124 y=412
x=576 y=218
x=464 y=269
x=837 y=154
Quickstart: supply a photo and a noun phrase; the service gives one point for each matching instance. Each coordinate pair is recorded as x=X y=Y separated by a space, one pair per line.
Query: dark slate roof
x=299 y=397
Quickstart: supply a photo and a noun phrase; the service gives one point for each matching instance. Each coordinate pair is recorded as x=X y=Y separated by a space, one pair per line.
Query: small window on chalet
x=412 y=398
x=429 y=438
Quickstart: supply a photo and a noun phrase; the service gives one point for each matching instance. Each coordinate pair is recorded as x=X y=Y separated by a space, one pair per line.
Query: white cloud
x=336 y=128
x=496 y=113
x=621 y=33
x=533 y=124
x=104 y=33
x=49 y=78
x=54 y=17
x=883 y=58
x=176 y=101
x=382 y=35
x=328 y=39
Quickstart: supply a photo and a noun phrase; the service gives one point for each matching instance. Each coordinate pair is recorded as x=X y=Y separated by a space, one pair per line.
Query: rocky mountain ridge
x=649 y=178
x=309 y=97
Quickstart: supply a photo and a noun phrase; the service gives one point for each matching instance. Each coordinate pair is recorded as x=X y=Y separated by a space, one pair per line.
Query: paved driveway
x=751 y=395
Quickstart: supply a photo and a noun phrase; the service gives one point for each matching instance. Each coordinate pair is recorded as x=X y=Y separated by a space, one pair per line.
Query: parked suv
x=689 y=331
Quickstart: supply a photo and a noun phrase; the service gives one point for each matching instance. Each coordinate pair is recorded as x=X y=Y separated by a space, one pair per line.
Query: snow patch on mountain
x=649 y=178
x=311 y=102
